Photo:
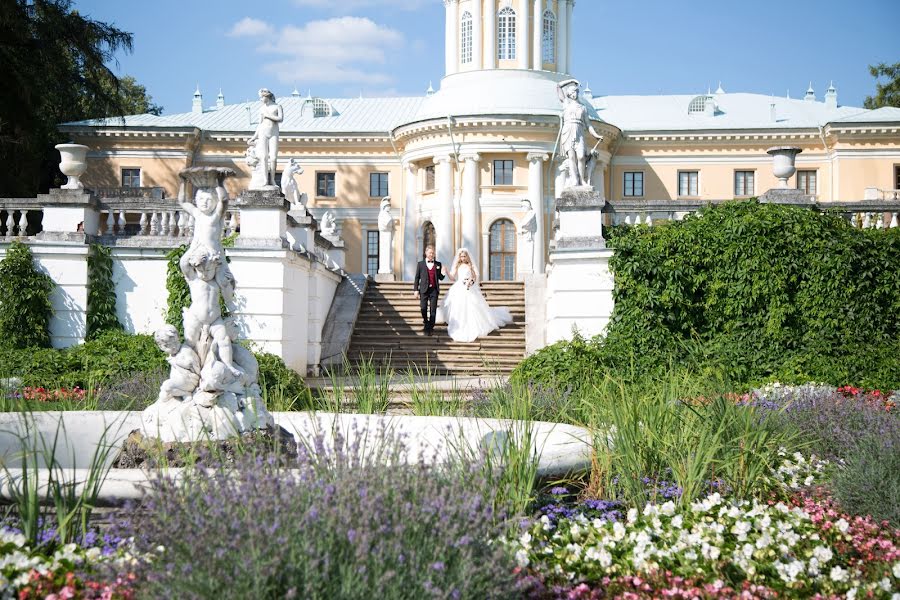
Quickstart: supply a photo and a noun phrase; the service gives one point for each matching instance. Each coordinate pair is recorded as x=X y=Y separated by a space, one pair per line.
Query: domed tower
x=508 y=34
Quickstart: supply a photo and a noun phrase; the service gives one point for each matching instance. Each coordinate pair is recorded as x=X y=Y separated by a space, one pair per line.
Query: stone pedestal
x=263 y=215
x=65 y=210
x=579 y=282
x=787 y=196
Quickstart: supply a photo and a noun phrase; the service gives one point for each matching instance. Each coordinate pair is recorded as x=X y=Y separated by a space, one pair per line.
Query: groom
x=428 y=287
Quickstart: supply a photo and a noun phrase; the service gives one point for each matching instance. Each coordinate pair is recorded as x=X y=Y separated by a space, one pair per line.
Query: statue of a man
x=385 y=218
x=575 y=123
x=527 y=229
x=266 y=136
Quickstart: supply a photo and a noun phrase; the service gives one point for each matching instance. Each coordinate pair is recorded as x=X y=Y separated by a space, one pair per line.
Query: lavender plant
x=349 y=522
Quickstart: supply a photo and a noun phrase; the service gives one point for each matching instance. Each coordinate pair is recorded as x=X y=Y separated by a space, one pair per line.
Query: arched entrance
x=502 y=257
x=428 y=236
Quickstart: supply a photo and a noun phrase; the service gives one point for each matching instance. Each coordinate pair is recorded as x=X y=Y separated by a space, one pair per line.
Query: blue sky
x=339 y=48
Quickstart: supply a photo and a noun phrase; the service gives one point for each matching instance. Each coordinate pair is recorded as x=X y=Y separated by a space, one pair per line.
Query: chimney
x=709 y=107
x=587 y=93
x=831 y=97
x=810 y=94
x=773 y=116
x=430 y=90
x=197 y=106
x=220 y=100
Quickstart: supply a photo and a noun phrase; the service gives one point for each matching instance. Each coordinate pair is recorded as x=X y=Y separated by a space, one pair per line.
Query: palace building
x=458 y=162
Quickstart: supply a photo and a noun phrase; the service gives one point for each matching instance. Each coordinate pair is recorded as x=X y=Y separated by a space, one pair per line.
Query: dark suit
x=428 y=294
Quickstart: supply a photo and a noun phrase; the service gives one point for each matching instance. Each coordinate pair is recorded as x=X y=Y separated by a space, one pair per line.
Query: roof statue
x=574 y=124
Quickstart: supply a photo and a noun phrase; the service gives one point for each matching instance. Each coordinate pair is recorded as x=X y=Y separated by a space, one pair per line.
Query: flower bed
x=712 y=548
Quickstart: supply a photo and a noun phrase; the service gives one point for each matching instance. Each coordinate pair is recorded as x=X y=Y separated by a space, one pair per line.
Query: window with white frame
x=506 y=34
x=503 y=172
x=465 y=33
x=688 y=183
x=744 y=183
x=325 y=185
x=807 y=181
x=131 y=178
x=429 y=177
x=371 y=252
x=378 y=185
x=548 y=38
x=634 y=183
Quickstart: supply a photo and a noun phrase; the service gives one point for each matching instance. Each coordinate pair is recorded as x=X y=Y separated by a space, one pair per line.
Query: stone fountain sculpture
x=212 y=391
x=575 y=123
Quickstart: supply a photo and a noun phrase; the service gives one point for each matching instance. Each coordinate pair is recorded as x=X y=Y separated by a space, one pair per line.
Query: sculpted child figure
x=184 y=376
x=208 y=212
x=206 y=277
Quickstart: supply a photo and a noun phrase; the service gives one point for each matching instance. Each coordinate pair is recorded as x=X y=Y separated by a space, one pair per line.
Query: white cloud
x=338 y=50
x=249 y=27
x=338 y=5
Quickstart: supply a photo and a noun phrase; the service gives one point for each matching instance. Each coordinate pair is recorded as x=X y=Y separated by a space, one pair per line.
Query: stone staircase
x=388 y=331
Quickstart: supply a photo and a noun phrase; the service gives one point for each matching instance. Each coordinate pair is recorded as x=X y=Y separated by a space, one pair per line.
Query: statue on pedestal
x=329 y=225
x=265 y=139
x=386 y=239
x=527 y=229
x=289 y=185
x=212 y=390
x=575 y=123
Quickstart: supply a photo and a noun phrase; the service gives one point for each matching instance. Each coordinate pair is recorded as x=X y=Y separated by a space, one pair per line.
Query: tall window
x=428 y=236
x=506 y=34
x=372 y=252
x=325 y=185
x=548 y=38
x=897 y=178
x=429 y=177
x=634 y=183
x=806 y=181
x=688 y=183
x=378 y=185
x=465 y=33
x=131 y=178
x=744 y=183
x=503 y=250
x=503 y=172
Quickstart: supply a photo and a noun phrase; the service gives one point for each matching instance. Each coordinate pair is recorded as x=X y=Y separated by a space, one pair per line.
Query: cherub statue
x=289 y=184
x=575 y=123
x=208 y=212
x=206 y=278
x=329 y=225
x=184 y=375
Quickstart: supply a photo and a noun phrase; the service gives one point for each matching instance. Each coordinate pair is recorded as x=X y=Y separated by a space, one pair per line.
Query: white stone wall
x=139 y=275
x=579 y=293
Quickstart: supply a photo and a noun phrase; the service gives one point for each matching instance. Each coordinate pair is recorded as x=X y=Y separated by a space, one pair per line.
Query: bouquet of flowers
x=468 y=282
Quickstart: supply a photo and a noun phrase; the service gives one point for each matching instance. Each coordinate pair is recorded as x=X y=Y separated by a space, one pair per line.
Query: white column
x=485 y=259
x=522 y=19
x=410 y=221
x=490 y=35
x=451 y=41
x=443 y=214
x=477 y=39
x=537 y=31
x=536 y=197
x=471 y=204
x=570 y=4
x=562 y=37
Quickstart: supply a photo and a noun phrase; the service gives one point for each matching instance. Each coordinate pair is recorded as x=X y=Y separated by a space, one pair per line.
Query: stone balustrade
x=861 y=213
x=15 y=216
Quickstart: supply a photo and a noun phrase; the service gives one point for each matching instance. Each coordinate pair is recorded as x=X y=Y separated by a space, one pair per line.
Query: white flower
x=525 y=539
x=842 y=525
x=668 y=508
x=545 y=523
x=838 y=574
x=677 y=520
x=822 y=553
x=851 y=594
x=885 y=584
x=741 y=529
x=896 y=569
x=632 y=515
x=522 y=558
x=619 y=532
x=809 y=480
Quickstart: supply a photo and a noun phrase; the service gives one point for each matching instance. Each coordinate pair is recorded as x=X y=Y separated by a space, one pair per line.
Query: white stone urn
x=783 y=163
x=73 y=164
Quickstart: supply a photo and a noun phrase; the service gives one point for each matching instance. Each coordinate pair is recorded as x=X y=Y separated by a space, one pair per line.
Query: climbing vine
x=25 y=308
x=101 y=302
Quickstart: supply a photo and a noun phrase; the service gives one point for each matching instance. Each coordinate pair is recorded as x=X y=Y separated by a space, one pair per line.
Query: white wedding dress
x=467 y=313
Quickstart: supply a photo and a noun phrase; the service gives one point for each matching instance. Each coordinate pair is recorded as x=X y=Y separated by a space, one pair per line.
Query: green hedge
x=753 y=291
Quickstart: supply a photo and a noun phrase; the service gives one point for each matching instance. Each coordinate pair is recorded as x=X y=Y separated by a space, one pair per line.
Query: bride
x=466 y=311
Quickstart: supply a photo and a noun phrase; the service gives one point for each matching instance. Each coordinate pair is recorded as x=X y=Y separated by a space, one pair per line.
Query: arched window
x=503 y=250
x=317 y=107
x=698 y=105
x=428 y=236
x=465 y=32
x=548 y=39
x=506 y=34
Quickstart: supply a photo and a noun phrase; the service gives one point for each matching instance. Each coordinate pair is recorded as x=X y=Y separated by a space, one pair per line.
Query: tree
x=53 y=64
x=887 y=94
